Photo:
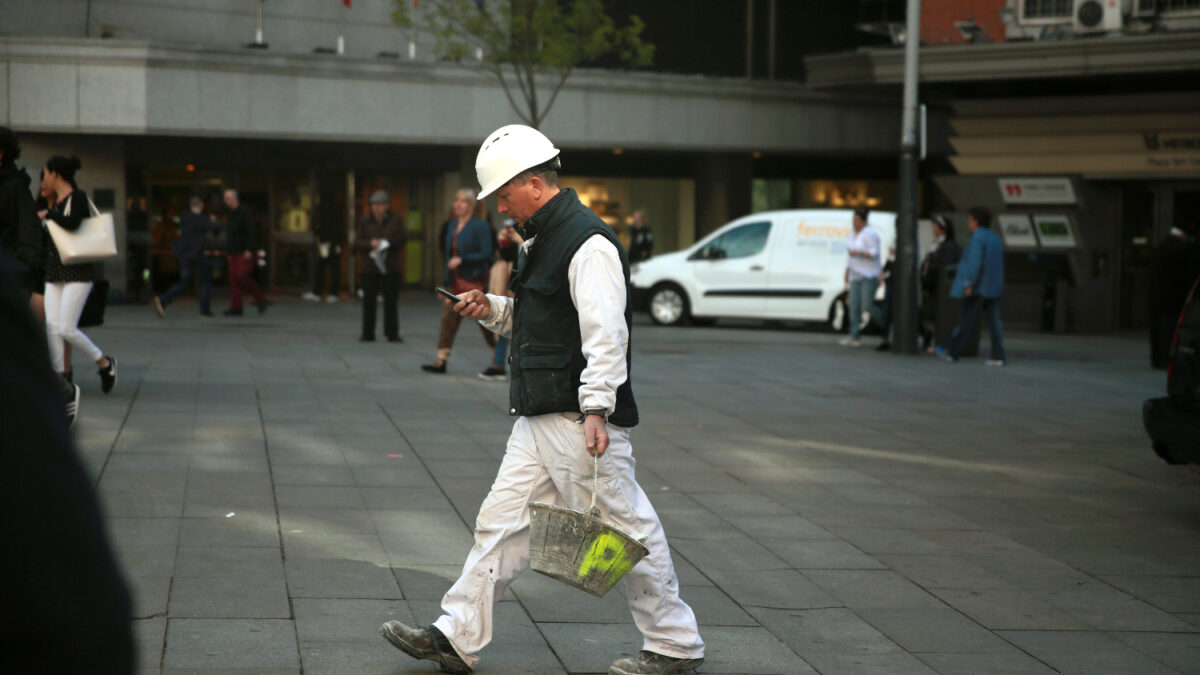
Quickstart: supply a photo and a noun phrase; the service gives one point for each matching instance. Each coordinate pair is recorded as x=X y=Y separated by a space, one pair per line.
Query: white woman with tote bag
x=68 y=284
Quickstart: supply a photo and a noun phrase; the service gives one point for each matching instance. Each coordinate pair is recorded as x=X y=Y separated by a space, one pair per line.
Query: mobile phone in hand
x=448 y=294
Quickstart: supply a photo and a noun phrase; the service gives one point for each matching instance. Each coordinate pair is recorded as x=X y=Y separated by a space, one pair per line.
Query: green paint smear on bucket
x=606 y=555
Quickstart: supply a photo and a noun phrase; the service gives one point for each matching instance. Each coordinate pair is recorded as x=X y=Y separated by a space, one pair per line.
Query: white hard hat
x=507 y=152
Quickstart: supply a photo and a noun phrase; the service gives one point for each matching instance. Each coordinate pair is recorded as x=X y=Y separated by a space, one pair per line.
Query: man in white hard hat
x=570 y=390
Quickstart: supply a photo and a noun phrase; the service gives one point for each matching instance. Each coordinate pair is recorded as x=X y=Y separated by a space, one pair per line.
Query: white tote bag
x=95 y=239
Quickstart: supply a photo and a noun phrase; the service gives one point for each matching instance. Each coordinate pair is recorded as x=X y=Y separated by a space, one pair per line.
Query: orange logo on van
x=822 y=231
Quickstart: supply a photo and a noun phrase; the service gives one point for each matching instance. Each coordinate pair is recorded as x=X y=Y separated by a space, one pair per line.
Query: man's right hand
x=475 y=305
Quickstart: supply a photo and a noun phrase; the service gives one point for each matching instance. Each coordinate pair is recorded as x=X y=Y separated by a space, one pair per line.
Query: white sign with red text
x=1037 y=190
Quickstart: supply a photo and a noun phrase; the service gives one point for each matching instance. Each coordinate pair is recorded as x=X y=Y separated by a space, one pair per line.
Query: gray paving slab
x=262 y=645
x=230 y=597
x=1011 y=662
x=1072 y=652
x=839 y=510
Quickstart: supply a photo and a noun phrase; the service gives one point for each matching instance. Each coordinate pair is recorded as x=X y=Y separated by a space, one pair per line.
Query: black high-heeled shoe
x=438 y=367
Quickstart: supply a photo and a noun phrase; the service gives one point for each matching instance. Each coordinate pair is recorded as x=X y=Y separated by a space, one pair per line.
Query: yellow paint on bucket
x=606 y=555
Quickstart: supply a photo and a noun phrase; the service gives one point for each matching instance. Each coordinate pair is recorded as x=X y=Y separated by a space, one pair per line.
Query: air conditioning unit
x=1096 y=16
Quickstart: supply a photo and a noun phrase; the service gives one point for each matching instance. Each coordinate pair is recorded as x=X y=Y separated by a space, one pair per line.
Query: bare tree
x=520 y=42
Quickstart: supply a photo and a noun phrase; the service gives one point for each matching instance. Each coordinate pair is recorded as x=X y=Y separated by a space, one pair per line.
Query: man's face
x=231 y=200
x=379 y=210
x=972 y=223
x=639 y=219
x=520 y=202
x=859 y=224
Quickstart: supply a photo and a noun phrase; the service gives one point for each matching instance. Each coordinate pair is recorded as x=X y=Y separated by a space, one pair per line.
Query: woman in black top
x=67 y=286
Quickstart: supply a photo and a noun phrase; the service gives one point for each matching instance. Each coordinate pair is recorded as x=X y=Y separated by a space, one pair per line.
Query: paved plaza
x=276 y=489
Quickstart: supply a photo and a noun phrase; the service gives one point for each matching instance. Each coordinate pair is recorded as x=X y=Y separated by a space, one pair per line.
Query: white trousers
x=546 y=461
x=64 y=303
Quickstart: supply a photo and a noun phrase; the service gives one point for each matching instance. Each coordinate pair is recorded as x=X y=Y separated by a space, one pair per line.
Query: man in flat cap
x=380 y=243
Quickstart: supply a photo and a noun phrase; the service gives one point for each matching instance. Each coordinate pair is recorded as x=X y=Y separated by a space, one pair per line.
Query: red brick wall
x=938 y=17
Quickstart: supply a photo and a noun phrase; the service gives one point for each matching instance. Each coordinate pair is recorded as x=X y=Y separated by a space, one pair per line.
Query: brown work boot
x=651 y=663
x=424 y=643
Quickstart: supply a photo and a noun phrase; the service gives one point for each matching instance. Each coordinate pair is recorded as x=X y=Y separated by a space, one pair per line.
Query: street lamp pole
x=904 y=305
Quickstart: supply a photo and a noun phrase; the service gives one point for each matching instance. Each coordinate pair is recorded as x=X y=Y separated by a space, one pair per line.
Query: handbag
x=93 y=309
x=94 y=240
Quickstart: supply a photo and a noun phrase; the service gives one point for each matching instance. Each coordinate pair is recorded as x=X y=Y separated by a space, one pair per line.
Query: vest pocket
x=546 y=379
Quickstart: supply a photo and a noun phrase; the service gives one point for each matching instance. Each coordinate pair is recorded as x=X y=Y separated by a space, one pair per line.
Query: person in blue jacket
x=467 y=247
x=979 y=282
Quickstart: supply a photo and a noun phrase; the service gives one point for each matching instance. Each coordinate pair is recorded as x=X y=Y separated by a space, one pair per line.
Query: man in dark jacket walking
x=380 y=241
x=20 y=232
x=241 y=241
x=189 y=247
x=571 y=393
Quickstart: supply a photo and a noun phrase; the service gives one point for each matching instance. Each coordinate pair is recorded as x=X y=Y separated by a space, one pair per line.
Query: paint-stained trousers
x=546 y=461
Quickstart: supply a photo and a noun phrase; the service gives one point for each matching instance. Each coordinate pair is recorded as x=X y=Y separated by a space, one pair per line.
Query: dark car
x=1173 y=421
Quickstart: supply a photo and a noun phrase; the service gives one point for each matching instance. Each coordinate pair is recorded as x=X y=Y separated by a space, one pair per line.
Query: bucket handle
x=592 y=510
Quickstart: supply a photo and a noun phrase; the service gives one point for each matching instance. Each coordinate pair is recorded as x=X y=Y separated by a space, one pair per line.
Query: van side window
x=740 y=242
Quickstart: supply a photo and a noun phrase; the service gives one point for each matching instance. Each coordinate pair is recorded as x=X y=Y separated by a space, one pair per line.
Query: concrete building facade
x=163 y=99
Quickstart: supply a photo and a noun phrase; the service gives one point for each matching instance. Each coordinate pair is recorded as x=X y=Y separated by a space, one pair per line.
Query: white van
x=775 y=265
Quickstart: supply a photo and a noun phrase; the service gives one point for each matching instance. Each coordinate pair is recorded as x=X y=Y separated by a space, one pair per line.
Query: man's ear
x=536 y=186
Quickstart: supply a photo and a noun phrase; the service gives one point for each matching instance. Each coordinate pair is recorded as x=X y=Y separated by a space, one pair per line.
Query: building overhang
x=1026 y=60
x=146 y=88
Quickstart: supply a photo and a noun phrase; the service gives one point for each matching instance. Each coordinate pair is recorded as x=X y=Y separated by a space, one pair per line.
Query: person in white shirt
x=570 y=323
x=862 y=276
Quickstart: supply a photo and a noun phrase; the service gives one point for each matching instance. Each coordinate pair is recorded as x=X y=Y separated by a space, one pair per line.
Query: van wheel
x=838 y=313
x=668 y=305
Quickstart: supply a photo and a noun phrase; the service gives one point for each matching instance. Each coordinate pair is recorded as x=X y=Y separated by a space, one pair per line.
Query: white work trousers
x=546 y=461
x=64 y=303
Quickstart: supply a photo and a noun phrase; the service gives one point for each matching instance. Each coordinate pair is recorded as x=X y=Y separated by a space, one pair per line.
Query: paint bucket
x=580 y=549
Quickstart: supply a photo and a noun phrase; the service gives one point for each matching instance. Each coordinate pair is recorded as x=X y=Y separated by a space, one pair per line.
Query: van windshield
x=740 y=242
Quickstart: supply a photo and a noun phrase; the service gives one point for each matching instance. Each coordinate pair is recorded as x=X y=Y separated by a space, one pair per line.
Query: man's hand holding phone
x=472 y=304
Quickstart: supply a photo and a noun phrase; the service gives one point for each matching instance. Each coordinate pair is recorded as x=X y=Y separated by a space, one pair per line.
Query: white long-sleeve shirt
x=864 y=241
x=597 y=287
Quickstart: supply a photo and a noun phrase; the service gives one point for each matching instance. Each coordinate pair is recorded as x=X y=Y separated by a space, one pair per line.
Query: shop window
x=291 y=230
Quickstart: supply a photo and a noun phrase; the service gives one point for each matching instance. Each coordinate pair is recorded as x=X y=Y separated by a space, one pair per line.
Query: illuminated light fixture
x=618 y=151
x=191 y=168
x=756 y=155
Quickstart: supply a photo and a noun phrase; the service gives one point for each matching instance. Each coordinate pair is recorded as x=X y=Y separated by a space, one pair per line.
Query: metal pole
x=412 y=34
x=749 y=39
x=258 y=35
x=771 y=40
x=341 y=46
x=904 y=304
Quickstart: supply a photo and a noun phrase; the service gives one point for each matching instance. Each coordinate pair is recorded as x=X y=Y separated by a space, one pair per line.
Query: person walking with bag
x=68 y=286
x=571 y=393
x=193 y=264
x=468 y=252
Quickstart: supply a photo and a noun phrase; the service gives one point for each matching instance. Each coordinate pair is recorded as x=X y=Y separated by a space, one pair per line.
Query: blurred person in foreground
x=570 y=324
x=66 y=606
